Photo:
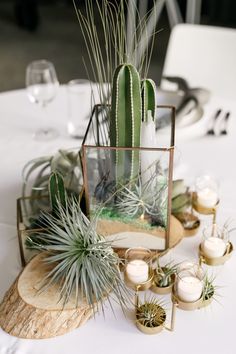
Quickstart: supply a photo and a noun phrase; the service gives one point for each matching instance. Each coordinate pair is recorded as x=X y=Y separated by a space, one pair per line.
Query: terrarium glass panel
x=128 y=188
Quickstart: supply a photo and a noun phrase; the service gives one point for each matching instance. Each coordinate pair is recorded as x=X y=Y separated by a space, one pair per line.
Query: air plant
x=208 y=288
x=151 y=313
x=84 y=263
x=137 y=200
x=36 y=174
x=165 y=274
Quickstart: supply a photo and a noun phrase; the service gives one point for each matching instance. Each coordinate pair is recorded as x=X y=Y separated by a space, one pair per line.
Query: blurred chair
x=203 y=55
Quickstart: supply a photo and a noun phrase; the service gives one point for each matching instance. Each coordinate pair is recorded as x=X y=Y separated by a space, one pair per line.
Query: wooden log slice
x=26 y=312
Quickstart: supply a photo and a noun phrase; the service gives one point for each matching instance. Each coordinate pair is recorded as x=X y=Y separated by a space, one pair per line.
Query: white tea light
x=137 y=271
x=214 y=247
x=207 y=197
x=189 y=289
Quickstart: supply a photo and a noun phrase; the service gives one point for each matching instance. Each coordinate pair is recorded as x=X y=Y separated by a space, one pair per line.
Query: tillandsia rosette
x=165 y=273
x=83 y=261
x=144 y=205
x=151 y=313
x=209 y=288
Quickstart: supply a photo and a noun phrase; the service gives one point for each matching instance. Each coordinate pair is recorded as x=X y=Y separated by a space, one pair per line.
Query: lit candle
x=189 y=289
x=214 y=247
x=207 y=197
x=137 y=271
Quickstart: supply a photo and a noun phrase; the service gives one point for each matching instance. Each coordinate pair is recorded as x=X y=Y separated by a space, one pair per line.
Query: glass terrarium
x=129 y=188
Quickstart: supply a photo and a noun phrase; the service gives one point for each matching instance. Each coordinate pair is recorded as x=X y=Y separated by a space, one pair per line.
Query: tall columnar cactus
x=56 y=191
x=148 y=88
x=126 y=117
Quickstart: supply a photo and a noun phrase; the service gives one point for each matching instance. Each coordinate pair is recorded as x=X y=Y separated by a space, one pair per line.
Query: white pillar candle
x=137 y=271
x=214 y=247
x=207 y=197
x=189 y=289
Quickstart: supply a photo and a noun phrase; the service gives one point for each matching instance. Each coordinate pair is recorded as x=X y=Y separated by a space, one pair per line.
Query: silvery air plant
x=164 y=274
x=84 y=263
x=151 y=313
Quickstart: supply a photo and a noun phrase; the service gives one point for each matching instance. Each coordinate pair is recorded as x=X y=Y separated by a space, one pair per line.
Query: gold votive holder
x=206 y=303
x=187 y=291
x=162 y=290
x=139 y=286
x=150 y=330
x=217 y=260
x=201 y=209
x=186 y=306
x=162 y=325
x=138 y=272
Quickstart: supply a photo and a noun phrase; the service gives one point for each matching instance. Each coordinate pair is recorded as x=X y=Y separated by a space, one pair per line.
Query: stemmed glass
x=42 y=86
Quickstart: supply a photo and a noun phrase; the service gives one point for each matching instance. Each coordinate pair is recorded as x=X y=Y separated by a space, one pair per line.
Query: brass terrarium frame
x=98 y=146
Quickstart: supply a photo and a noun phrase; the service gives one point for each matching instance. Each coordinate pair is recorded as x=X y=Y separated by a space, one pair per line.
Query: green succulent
x=151 y=313
x=181 y=197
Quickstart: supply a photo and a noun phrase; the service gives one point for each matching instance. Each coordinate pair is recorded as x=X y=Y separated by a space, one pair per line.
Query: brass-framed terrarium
x=26 y=227
x=130 y=186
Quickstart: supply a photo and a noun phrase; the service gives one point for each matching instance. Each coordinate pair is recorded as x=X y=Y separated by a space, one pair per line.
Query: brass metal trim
x=215 y=261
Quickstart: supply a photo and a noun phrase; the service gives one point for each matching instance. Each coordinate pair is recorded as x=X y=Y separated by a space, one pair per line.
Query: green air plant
x=136 y=200
x=151 y=313
x=83 y=261
x=164 y=275
x=125 y=120
x=209 y=288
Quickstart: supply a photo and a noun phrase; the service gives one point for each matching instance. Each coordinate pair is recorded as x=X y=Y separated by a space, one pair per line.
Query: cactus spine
x=148 y=98
x=126 y=116
x=56 y=191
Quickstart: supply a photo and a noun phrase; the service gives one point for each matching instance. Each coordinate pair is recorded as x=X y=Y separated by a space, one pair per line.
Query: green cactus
x=56 y=191
x=148 y=89
x=125 y=124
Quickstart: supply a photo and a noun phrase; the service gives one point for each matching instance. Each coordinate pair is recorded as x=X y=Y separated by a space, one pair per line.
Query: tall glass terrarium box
x=129 y=188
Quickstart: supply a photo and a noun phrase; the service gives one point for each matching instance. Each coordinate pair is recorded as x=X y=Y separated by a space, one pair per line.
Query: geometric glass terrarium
x=129 y=187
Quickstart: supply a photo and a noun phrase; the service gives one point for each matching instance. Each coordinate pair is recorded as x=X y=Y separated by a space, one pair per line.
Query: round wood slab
x=27 y=312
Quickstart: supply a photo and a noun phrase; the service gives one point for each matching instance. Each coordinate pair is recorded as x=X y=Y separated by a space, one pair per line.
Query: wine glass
x=42 y=86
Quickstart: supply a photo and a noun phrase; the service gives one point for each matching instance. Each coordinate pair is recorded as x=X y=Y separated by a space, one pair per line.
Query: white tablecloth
x=206 y=331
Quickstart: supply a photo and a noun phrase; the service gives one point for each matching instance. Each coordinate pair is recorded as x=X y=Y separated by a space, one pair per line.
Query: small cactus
x=148 y=89
x=125 y=124
x=56 y=191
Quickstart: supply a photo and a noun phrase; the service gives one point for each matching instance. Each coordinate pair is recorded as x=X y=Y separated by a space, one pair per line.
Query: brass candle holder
x=215 y=249
x=187 y=292
x=162 y=290
x=215 y=261
x=205 y=210
x=138 y=273
x=155 y=309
